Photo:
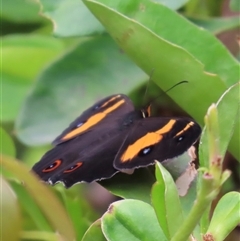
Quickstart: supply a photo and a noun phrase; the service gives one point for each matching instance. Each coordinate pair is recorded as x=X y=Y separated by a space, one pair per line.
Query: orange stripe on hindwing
x=189 y=125
x=93 y=120
x=147 y=140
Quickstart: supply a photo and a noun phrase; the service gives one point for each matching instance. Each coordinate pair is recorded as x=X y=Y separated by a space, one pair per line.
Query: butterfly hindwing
x=158 y=139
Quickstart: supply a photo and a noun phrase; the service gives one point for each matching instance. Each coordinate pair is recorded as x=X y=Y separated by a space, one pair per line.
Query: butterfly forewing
x=88 y=146
x=101 y=112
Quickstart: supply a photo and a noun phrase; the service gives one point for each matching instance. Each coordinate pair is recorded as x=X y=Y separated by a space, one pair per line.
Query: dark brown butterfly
x=112 y=136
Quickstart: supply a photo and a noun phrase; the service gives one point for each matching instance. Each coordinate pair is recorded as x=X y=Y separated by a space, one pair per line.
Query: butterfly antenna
x=179 y=83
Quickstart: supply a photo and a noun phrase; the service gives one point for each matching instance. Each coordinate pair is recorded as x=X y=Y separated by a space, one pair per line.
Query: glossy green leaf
x=42 y=195
x=226 y=216
x=6 y=144
x=90 y=71
x=166 y=202
x=228 y=118
x=10 y=217
x=94 y=233
x=160 y=20
x=70 y=18
x=184 y=175
x=135 y=186
x=131 y=220
x=190 y=62
x=19 y=69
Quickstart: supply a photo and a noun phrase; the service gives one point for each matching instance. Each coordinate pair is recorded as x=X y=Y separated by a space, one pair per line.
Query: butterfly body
x=112 y=136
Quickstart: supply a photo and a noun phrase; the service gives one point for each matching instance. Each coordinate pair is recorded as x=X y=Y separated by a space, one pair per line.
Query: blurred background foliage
x=56 y=60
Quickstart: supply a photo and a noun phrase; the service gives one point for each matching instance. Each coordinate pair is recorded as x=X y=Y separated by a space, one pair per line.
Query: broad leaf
x=131 y=220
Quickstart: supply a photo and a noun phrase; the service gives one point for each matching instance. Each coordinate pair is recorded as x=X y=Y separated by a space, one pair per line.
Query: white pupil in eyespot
x=80 y=124
x=180 y=138
x=72 y=167
x=146 y=150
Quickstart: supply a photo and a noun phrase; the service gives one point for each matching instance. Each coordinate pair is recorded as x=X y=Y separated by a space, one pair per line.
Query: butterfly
x=112 y=136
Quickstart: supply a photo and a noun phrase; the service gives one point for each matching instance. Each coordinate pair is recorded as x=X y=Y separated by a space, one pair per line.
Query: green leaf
x=42 y=195
x=157 y=23
x=66 y=16
x=6 y=144
x=19 y=69
x=166 y=202
x=131 y=220
x=71 y=18
x=94 y=233
x=212 y=129
x=228 y=118
x=136 y=186
x=11 y=220
x=27 y=11
x=29 y=205
x=225 y=217
x=184 y=175
x=182 y=170
x=90 y=71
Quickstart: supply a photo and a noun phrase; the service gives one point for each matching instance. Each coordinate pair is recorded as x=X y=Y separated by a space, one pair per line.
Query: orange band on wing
x=114 y=107
x=189 y=125
x=113 y=98
x=93 y=120
x=149 y=139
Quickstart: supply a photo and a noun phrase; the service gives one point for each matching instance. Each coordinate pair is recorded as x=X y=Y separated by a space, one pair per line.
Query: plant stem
x=207 y=193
